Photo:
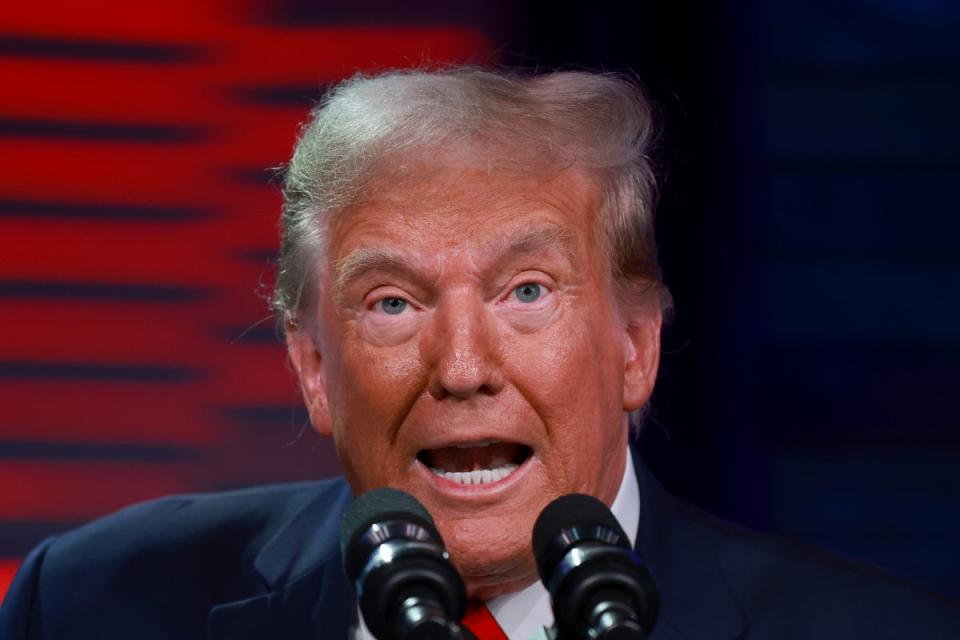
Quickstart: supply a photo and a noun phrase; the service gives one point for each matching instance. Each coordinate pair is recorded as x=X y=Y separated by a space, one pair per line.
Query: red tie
x=480 y=621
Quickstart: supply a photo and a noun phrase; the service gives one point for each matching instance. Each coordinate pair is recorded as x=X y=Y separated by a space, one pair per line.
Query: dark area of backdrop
x=809 y=231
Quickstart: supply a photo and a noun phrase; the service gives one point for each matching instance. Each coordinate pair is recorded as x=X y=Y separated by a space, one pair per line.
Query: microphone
x=393 y=555
x=598 y=588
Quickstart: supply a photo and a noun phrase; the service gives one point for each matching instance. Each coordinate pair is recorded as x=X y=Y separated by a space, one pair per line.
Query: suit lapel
x=318 y=605
x=696 y=602
x=305 y=593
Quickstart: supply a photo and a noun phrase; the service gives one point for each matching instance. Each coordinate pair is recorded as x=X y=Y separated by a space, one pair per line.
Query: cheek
x=375 y=380
x=373 y=394
x=575 y=387
x=578 y=368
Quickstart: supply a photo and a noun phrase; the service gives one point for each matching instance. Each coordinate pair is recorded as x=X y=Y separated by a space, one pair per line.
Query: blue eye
x=393 y=306
x=527 y=292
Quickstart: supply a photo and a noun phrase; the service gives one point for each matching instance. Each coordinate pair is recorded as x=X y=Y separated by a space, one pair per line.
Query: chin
x=483 y=589
x=495 y=577
x=491 y=562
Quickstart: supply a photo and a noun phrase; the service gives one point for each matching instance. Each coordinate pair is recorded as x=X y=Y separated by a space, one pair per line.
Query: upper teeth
x=477 y=476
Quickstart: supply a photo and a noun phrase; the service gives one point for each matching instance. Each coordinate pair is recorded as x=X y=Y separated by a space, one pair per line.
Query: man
x=472 y=305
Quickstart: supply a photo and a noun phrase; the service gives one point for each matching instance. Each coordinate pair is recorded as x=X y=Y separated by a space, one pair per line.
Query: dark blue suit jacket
x=264 y=563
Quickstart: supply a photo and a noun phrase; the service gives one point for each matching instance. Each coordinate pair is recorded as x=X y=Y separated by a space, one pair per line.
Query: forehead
x=463 y=206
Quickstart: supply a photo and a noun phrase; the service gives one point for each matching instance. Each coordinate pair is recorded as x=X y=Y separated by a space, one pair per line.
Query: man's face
x=466 y=348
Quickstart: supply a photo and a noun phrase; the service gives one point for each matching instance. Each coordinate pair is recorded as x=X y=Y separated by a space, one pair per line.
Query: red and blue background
x=809 y=231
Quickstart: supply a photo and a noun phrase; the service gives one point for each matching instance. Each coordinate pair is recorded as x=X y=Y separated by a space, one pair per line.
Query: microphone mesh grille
x=381 y=505
x=566 y=512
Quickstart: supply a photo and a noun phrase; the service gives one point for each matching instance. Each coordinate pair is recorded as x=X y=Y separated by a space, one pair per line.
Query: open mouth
x=476 y=463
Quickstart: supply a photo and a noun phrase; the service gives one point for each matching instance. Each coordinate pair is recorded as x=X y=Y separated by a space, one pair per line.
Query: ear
x=307 y=362
x=641 y=356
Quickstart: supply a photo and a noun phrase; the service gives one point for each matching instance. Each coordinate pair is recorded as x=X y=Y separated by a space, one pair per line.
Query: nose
x=461 y=349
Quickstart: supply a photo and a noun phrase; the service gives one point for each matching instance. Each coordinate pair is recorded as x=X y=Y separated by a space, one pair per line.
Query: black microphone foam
x=379 y=505
x=394 y=556
x=573 y=511
x=598 y=588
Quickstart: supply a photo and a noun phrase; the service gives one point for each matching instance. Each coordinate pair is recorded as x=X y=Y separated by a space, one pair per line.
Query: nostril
x=452 y=389
x=464 y=380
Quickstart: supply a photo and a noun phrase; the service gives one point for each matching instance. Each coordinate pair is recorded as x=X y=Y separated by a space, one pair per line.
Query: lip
x=473 y=440
x=466 y=491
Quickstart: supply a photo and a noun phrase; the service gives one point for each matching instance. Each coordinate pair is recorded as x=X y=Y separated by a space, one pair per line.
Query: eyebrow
x=526 y=241
x=367 y=260
x=530 y=240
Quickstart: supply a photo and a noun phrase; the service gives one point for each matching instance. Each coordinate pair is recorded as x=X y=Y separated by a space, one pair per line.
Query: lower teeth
x=477 y=476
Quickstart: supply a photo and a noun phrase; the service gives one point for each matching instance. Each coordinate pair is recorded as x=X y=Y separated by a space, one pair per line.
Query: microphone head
x=393 y=555
x=378 y=505
x=598 y=588
x=567 y=520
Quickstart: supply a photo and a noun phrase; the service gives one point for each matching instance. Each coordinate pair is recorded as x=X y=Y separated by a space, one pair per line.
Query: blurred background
x=809 y=228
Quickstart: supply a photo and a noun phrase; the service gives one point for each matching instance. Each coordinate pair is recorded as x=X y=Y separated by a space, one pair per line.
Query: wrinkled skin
x=430 y=343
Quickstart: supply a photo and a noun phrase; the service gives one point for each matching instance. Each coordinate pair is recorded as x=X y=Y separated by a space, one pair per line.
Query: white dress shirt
x=522 y=615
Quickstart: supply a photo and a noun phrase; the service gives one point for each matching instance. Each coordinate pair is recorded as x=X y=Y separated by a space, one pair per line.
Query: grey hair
x=601 y=123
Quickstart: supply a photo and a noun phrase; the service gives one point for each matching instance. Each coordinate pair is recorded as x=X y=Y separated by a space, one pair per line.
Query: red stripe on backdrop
x=77 y=90
x=330 y=54
x=202 y=335
x=59 y=491
x=176 y=21
x=256 y=374
x=98 y=171
x=187 y=413
x=150 y=172
x=164 y=332
x=169 y=334
x=8 y=569
x=87 y=411
x=202 y=253
x=123 y=253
